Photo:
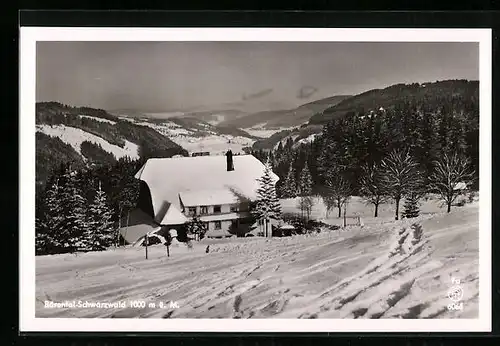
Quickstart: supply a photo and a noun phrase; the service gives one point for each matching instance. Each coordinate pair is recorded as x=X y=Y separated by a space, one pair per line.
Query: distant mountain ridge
x=254 y=110
x=284 y=118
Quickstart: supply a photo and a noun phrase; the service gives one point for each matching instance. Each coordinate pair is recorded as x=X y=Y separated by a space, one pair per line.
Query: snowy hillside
x=385 y=269
x=215 y=144
x=308 y=139
x=260 y=130
x=167 y=128
x=75 y=137
x=199 y=137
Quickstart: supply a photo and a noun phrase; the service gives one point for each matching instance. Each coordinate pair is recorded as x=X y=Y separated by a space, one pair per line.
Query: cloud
x=306 y=92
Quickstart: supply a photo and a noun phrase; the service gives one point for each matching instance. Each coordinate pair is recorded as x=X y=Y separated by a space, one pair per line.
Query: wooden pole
x=146 y=240
x=344 y=214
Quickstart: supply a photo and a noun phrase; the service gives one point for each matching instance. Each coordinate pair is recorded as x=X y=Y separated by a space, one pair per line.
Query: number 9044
x=456 y=306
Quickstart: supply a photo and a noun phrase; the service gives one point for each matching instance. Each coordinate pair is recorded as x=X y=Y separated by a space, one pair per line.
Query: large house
x=217 y=190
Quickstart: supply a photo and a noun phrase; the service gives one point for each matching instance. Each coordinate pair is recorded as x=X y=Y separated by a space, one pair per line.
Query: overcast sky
x=162 y=76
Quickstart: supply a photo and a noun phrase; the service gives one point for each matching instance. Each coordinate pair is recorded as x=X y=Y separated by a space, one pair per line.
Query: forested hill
x=86 y=136
x=430 y=95
x=460 y=95
x=425 y=124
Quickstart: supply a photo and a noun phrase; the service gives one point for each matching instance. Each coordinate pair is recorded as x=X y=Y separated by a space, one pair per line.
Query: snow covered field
x=260 y=131
x=215 y=144
x=385 y=269
x=75 y=137
x=168 y=128
x=192 y=141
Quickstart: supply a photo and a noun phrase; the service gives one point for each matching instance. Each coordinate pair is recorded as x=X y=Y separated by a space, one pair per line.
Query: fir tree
x=267 y=205
x=426 y=149
x=73 y=208
x=411 y=206
x=101 y=233
x=196 y=227
x=50 y=225
x=305 y=182
x=289 y=187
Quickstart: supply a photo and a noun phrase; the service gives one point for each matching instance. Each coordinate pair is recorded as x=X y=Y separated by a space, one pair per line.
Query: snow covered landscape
x=384 y=269
x=257 y=180
x=192 y=141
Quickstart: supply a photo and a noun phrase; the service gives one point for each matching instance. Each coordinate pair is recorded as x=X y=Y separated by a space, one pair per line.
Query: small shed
x=461 y=186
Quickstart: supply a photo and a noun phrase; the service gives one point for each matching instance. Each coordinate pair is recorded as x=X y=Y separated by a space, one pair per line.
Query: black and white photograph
x=260 y=179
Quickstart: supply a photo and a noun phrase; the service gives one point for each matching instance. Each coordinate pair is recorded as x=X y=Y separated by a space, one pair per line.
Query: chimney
x=229 y=160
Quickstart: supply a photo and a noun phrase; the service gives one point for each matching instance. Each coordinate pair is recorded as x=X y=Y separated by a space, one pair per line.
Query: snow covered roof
x=168 y=178
x=460 y=186
x=287 y=226
x=172 y=215
x=132 y=234
x=194 y=198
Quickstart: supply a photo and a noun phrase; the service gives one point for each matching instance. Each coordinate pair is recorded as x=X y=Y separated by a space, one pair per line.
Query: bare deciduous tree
x=400 y=176
x=449 y=173
x=305 y=204
x=337 y=190
x=372 y=186
x=329 y=202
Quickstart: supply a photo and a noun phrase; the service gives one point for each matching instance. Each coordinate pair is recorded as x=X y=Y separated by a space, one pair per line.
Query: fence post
x=345 y=221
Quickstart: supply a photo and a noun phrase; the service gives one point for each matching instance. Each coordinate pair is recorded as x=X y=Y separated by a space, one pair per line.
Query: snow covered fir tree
x=411 y=206
x=74 y=214
x=267 y=206
x=101 y=233
x=196 y=228
x=288 y=186
x=305 y=182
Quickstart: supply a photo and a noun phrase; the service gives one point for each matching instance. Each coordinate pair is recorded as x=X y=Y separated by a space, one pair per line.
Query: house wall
x=244 y=221
x=225 y=225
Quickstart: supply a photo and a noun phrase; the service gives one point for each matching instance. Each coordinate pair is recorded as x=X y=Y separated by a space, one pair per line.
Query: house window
x=192 y=211
x=217 y=209
x=217 y=225
x=234 y=208
x=204 y=210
